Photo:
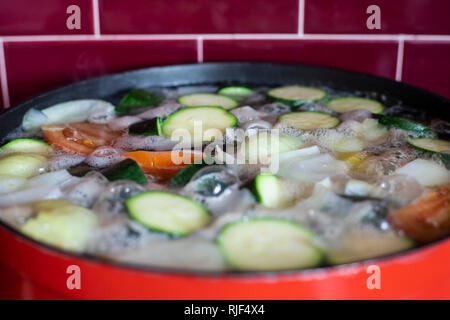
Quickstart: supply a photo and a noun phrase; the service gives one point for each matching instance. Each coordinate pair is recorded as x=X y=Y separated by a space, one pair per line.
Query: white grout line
x=399 y=67
x=249 y=36
x=301 y=17
x=199 y=49
x=3 y=78
x=96 y=19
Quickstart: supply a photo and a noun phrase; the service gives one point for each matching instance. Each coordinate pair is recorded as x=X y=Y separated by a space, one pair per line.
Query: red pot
x=32 y=271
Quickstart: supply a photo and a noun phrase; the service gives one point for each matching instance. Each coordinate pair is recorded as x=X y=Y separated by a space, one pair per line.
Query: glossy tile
x=374 y=57
x=198 y=16
x=399 y=16
x=34 y=67
x=426 y=64
x=43 y=17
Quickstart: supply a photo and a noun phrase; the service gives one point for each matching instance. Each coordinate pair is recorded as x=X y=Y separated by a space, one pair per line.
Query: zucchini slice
x=295 y=96
x=126 y=169
x=406 y=125
x=274 y=192
x=22 y=165
x=268 y=244
x=440 y=147
x=207 y=99
x=309 y=120
x=235 y=92
x=167 y=212
x=259 y=147
x=345 y=104
x=349 y=144
x=359 y=245
x=150 y=127
x=182 y=122
x=26 y=145
x=61 y=224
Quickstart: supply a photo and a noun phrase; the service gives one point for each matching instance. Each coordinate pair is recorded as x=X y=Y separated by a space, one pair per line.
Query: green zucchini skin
x=136 y=99
x=262 y=187
x=167 y=212
x=27 y=145
x=432 y=146
x=150 y=127
x=407 y=125
x=22 y=165
x=276 y=94
x=304 y=120
x=183 y=119
x=236 y=241
x=127 y=169
x=237 y=93
x=208 y=99
x=339 y=104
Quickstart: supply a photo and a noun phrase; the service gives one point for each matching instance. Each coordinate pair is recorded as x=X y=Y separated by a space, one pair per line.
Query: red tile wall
x=40 y=53
x=397 y=16
x=426 y=64
x=374 y=57
x=43 y=17
x=198 y=16
x=34 y=67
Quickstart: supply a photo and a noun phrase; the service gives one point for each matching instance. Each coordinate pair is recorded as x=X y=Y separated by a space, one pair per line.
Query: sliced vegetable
x=80 y=138
x=371 y=130
x=345 y=104
x=350 y=144
x=136 y=99
x=275 y=192
x=148 y=127
x=52 y=178
x=310 y=168
x=358 y=188
x=354 y=245
x=167 y=212
x=268 y=245
x=198 y=123
x=70 y=111
x=22 y=165
x=426 y=219
x=295 y=96
x=407 y=125
x=308 y=120
x=10 y=184
x=45 y=186
x=126 y=169
x=61 y=224
x=28 y=146
x=259 y=147
x=441 y=147
x=428 y=173
x=235 y=92
x=353 y=159
x=161 y=164
x=207 y=99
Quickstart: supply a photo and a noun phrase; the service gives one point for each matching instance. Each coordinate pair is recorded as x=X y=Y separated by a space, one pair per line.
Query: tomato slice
x=80 y=138
x=159 y=164
x=426 y=219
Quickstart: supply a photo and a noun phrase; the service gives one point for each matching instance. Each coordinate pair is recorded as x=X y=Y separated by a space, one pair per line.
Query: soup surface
x=229 y=178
